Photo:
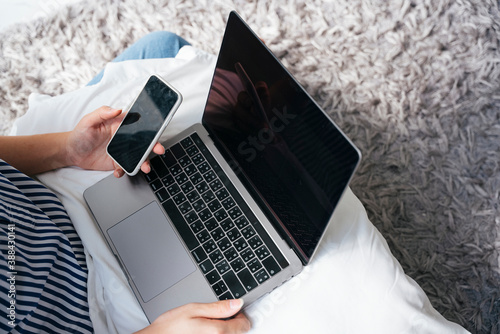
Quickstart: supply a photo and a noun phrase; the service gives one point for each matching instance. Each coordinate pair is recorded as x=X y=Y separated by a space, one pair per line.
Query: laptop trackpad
x=151 y=251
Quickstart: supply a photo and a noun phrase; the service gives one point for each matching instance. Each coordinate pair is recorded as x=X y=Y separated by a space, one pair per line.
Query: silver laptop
x=238 y=204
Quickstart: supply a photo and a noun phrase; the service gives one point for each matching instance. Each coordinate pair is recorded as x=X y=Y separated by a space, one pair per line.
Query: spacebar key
x=181 y=225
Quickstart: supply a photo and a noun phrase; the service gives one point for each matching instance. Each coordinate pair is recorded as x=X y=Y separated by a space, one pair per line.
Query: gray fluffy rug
x=414 y=83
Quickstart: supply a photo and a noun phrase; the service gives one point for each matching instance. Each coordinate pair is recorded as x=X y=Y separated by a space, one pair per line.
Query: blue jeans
x=158 y=44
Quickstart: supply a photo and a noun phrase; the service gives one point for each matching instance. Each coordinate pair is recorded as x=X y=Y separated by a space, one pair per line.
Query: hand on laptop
x=86 y=144
x=202 y=318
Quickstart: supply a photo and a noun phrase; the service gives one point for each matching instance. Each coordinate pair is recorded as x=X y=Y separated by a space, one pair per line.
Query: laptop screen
x=288 y=153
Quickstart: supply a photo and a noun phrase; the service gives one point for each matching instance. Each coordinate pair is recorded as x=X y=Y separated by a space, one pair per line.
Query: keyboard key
x=197 y=159
x=219 y=287
x=237 y=265
x=228 y=203
x=156 y=184
x=210 y=176
x=199 y=205
x=234 y=212
x=216 y=185
x=162 y=195
x=271 y=265
x=233 y=234
x=197 y=226
x=254 y=265
x=221 y=194
x=158 y=166
x=168 y=180
x=186 y=142
x=184 y=161
x=234 y=285
x=247 y=280
x=203 y=236
x=192 y=150
x=262 y=252
x=241 y=222
x=230 y=254
x=190 y=170
x=202 y=187
x=168 y=158
x=204 y=167
x=214 y=205
x=199 y=254
x=181 y=178
x=213 y=276
x=248 y=232
x=196 y=178
x=178 y=151
x=173 y=189
x=222 y=267
x=175 y=169
x=209 y=195
x=150 y=176
x=255 y=242
x=179 y=198
x=247 y=255
x=220 y=215
x=261 y=276
x=227 y=224
x=216 y=256
x=192 y=196
x=191 y=217
x=187 y=187
x=224 y=244
x=185 y=207
x=240 y=244
x=206 y=266
x=211 y=224
x=226 y=296
x=217 y=234
x=205 y=214
x=180 y=224
x=209 y=246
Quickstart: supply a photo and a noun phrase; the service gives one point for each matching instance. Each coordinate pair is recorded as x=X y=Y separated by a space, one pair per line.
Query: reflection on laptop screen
x=282 y=146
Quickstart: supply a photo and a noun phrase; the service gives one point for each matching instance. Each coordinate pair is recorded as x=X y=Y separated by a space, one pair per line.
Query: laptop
x=238 y=204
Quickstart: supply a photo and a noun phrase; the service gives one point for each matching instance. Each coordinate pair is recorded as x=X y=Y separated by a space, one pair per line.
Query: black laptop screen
x=290 y=155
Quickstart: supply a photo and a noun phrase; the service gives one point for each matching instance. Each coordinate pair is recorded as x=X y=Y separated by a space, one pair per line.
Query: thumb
x=99 y=116
x=218 y=310
x=106 y=112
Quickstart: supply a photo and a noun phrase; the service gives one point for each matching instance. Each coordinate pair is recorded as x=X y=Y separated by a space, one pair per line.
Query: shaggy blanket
x=414 y=83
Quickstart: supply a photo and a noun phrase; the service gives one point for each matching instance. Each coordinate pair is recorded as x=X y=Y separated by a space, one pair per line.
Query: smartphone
x=146 y=119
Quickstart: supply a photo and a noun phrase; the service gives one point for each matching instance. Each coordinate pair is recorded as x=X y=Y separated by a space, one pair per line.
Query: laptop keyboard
x=231 y=247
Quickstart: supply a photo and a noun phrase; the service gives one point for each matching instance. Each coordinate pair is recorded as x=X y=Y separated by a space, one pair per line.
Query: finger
x=218 y=310
x=146 y=167
x=238 y=324
x=118 y=173
x=159 y=149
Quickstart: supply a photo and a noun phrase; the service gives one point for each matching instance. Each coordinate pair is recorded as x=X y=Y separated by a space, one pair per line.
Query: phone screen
x=134 y=138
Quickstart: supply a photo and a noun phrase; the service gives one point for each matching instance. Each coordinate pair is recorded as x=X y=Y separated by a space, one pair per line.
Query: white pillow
x=353 y=285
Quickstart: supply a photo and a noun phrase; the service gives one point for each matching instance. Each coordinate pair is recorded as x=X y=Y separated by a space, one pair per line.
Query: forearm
x=35 y=154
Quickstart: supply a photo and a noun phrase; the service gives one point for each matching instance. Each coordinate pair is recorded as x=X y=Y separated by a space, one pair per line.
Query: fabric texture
x=158 y=44
x=43 y=274
x=353 y=276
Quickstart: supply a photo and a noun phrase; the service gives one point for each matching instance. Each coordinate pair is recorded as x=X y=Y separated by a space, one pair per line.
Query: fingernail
x=235 y=304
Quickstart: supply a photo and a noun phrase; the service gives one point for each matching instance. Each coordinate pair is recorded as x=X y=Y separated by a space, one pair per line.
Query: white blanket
x=353 y=284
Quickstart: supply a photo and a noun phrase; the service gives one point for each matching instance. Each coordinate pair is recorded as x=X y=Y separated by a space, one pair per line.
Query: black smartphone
x=141 y=128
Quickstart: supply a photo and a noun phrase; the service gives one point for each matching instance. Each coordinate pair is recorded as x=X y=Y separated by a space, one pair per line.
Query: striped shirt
x=43 y=275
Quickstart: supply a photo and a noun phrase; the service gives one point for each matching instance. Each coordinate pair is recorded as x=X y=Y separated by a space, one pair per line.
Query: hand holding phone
x=143 y=125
